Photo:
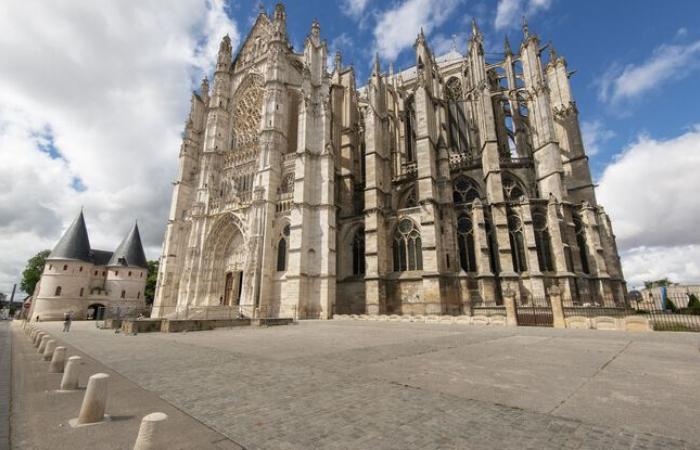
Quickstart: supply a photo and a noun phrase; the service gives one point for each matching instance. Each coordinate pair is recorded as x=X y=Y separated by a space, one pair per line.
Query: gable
x=255 y=44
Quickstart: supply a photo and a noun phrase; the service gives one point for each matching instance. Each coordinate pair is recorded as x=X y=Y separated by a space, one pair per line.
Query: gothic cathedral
x=426 y=191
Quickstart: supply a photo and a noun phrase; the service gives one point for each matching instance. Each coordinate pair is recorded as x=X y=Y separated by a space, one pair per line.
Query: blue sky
x=94 y=96
x=598 y=38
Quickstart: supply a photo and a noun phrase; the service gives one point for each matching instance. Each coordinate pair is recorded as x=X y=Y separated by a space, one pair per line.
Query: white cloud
x=354 y=8
x=650 y=191
x=680 y=264
x=509 y=13
x=95 y=93
x=397 y=28
x=666 y=63
x=594 y=135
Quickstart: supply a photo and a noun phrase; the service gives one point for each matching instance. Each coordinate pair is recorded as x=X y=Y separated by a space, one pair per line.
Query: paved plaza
x=379 y=385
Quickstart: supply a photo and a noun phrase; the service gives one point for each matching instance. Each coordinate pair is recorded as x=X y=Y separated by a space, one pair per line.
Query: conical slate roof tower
x=130 y=251
x=75 y=243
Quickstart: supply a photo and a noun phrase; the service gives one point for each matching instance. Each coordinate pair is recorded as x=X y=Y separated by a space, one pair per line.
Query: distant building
x=80 y=279
x=678 y=293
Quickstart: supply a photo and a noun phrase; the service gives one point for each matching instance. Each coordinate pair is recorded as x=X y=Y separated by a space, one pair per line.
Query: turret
x=74 y=244
x=424 y=60
x=127 y=269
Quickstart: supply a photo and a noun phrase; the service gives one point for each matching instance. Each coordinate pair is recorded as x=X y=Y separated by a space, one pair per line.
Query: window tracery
x=282 y=250
x=465 y=242
x=408 y=249
x=582 y=245
x=358 y=252
x=465 y=190
x=517 y=243
x=543 y=241
x=247 y=113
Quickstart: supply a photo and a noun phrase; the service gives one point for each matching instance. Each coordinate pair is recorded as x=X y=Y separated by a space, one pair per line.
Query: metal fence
x=488 y=311
x=677 y=312
x=534 y=312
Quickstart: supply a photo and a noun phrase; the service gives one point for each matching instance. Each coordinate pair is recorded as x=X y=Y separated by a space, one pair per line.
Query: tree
x=150 y=290
x=658 y=283
x=32 y=273
x=671 y=306
x=693 y=302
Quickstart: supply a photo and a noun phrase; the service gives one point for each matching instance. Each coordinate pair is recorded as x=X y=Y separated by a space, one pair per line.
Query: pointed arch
x=517 y=242
x=513 y=188
x=543 y=241
x=407 y=246
x=465 y=190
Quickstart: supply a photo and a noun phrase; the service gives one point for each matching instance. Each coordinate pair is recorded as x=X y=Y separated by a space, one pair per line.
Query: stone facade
x=427 y=191
x=80 y=279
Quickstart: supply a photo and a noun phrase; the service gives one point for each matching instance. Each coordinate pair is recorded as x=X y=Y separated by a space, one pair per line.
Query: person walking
x=66 y=321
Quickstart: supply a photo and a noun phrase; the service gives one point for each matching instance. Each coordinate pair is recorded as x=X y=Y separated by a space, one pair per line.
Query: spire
x=376 y=67
x=75 y=243
x=506 y=47
x=204 y=87
x=224 y=58
x=130 y=251
x=526 y=31
x=338 y=62
x=421 y=37
x=475 y=28
x=316 y=29
x=552 y=53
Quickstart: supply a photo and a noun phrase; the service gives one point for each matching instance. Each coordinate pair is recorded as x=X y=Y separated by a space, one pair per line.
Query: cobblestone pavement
x=5 y=384
x=351 y=384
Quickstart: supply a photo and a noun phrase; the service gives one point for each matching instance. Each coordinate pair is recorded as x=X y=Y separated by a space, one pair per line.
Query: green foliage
x=658 y=283
x=32 y=273
x=150 y=290
x=670 y=305
x=693 y=302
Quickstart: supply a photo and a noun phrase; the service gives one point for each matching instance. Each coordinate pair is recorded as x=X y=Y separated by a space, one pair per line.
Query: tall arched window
x=465 y=242
x=494 y=262
x=123 y=294
x=465 y=190
x=410 y=127
x=407 y=247
x=282 y=250
x=358 y=252
x=456 y=117
x=543 y=242
x=517 y=243
x=582 y=246
x=58 y=291
x=82 y=291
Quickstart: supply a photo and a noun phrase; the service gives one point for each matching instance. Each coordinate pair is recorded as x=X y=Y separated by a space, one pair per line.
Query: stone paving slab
x=408 y=385
x=5 y=383
x=40 y=414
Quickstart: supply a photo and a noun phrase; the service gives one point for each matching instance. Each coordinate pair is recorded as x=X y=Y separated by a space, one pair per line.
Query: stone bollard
x=95 y=400
x=37 y=337
x=151 y=432
x=71 y=375
x=57 y=360
x=49 y=348
x=42 y=344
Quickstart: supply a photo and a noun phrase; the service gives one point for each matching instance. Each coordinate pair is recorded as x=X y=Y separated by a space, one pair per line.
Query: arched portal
x=96 y=311
x=224 y=264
